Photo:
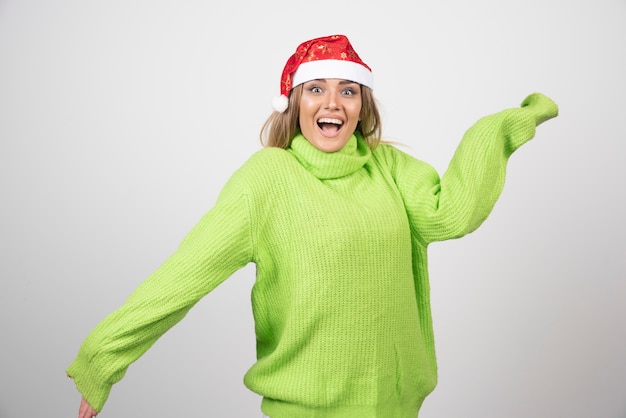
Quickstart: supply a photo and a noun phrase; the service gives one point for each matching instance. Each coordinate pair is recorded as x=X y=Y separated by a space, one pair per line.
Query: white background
x=120 y=121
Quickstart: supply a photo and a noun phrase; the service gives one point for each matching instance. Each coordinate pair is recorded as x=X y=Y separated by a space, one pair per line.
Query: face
x=329 y=112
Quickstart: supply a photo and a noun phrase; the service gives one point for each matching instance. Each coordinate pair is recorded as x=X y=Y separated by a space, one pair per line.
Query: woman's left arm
x=461 y=200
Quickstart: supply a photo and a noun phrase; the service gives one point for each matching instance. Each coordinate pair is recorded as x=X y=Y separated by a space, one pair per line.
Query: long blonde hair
x=280 y=128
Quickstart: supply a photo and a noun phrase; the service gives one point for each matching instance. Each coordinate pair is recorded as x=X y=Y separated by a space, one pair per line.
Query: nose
x=331 y=100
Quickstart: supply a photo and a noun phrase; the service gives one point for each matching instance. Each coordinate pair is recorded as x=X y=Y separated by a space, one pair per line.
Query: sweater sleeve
x=461 y=200
x=216 y=247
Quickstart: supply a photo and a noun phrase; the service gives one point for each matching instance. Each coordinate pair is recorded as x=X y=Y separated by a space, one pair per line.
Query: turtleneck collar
x=331 y=165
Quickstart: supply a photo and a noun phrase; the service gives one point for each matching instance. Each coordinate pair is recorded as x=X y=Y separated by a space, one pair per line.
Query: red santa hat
x=325 y=57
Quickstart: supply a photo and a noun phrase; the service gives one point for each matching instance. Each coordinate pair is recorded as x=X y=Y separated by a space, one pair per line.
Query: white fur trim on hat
x=346 y=70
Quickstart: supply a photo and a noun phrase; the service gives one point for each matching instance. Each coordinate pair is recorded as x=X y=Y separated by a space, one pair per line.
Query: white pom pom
x=280 y=103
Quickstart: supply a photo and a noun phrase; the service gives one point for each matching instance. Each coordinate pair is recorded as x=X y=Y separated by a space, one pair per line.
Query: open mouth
x=329 y=126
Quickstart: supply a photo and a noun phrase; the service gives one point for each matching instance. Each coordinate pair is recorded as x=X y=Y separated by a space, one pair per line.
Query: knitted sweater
x=341 y=299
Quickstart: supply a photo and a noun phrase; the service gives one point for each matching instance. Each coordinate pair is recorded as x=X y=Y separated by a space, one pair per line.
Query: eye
x=315 y=89
x=348 y=91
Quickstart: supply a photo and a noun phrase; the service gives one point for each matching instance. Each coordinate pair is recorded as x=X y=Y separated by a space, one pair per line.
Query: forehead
x=340 y=81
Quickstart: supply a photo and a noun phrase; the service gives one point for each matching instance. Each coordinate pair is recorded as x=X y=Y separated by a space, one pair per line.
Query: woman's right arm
x=216 y=247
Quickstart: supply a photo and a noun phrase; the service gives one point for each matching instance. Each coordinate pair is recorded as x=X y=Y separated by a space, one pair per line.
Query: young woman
x=338 y=226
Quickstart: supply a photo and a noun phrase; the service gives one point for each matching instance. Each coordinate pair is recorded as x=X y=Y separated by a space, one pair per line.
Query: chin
x=329 y=146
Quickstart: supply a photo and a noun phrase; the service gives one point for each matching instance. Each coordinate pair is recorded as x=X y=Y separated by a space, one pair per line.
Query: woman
x=338 y=226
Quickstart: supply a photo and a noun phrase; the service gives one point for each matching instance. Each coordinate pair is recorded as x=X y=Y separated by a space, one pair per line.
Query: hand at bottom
x=85 y=410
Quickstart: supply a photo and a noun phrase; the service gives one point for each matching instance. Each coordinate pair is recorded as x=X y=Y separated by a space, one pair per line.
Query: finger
x=85 y=410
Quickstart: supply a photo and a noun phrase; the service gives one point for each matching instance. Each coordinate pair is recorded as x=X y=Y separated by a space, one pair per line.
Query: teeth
x=329 y=120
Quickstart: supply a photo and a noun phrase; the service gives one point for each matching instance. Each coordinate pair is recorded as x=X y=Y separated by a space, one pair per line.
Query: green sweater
x=341 y=299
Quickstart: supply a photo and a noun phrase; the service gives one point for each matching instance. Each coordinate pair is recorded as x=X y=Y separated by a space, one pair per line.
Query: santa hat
x=325 y=57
